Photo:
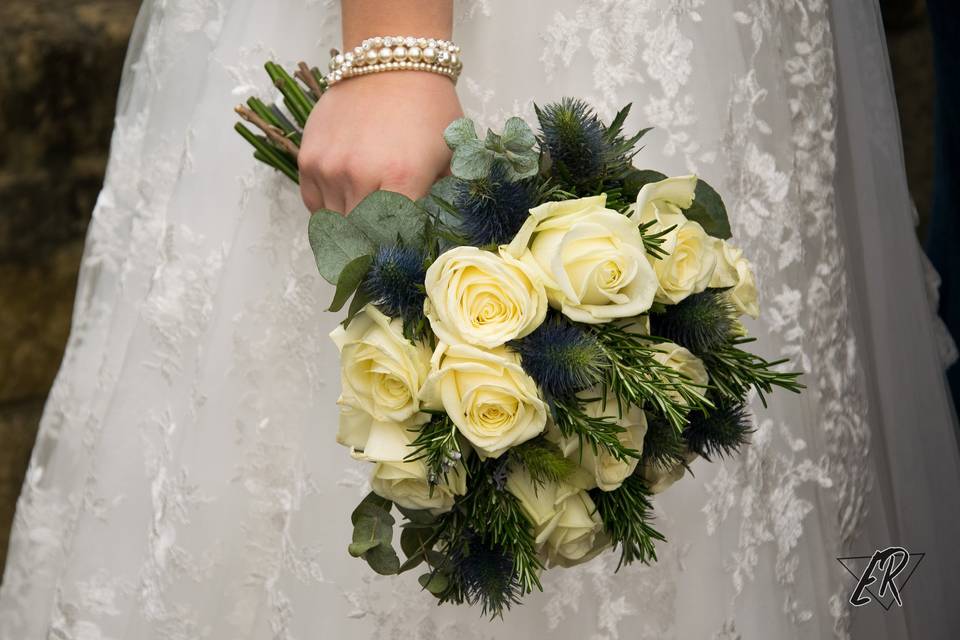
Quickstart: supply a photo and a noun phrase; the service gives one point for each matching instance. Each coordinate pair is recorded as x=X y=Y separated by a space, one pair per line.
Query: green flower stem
x=270 y=154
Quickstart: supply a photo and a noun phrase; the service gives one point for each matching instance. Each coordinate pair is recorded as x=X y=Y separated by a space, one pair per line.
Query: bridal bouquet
x=530 y=352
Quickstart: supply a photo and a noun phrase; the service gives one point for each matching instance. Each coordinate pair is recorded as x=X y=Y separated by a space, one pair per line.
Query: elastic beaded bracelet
x=396 y=53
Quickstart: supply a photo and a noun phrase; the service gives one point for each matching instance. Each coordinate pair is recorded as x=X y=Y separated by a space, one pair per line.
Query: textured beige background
x=59 y=68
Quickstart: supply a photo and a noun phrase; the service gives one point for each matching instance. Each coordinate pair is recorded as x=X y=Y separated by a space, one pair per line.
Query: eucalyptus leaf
x=493 y=141
x=435 y=583
x=471 y=161
x=418 y=516
x=383 y=216
x=459 y=131
x=374 y=502
x=517 y=135
x=383 y=559
x=350 y=278
x=335 y=242
x=360 y=300
x=708 y=209
x=414 y=540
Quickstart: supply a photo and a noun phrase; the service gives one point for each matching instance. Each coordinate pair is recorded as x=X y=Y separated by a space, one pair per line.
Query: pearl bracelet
x=396 y=53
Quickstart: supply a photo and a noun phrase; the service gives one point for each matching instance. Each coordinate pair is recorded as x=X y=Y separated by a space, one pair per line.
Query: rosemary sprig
x=625 y=513
x=437 y=445
x=597 y=432
x=733 y=371
x=636 y=378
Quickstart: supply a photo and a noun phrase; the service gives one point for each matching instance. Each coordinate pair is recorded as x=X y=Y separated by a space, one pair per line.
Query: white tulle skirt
x=186 y=484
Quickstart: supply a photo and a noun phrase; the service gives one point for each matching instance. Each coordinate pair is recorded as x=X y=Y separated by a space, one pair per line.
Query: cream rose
x=381 y=375
x=402 y=481
x=736 y=273
x=591 y=258
x=681 y=360
x=406 y=484
x=482 y=298
x=488 y=396
x=564 y=518
x=603 y=470
x=690 y=261
x=658 y=479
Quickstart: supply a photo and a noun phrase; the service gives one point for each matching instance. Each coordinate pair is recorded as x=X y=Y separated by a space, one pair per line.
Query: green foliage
x=350 y=278
x=702 y=322
x=626 y=516
x=383 y=218
x=373 y=535
x=733 y=371
x=636 y=378
x=438 y=446
x=708 y=209
x=543 y=460
x=596 y=432
x=473 y=159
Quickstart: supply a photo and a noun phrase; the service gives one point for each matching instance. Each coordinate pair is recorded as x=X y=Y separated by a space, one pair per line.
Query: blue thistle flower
x=701 y=323
x=575 y=138
x=719 y=433
x=493 y=208
x=484 y=574
x=560 y=357
x=395 y=282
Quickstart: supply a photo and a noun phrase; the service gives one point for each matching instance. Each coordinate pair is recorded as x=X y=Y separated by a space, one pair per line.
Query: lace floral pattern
x=184 y=484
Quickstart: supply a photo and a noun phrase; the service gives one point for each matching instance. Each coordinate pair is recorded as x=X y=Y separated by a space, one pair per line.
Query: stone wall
x=60 y=63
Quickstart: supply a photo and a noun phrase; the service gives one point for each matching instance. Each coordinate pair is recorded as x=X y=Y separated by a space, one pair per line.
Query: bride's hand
x=381 y=131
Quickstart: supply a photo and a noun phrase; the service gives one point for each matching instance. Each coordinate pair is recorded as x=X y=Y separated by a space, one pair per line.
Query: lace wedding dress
x=186 y=484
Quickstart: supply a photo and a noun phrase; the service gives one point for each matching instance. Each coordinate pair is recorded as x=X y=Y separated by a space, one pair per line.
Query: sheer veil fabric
x=185 y=482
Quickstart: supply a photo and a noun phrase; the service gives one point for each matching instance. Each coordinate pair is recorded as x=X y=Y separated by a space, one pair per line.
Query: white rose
x=482 y=298
x=736 y=273
x=406 y=484
x=488 y=396
x=681 y=360
x=603 y=470
x=381 y=375
x=690 y=261
x=658 y=479
x=565 y=520
x=591 y=258
x=402 y=481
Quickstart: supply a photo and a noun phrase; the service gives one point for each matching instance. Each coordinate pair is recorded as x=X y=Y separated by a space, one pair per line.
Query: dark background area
x=60 y=63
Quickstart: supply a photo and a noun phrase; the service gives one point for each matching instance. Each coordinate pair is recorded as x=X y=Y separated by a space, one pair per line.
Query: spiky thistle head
x=483 y=573
x=721 y=432
x=395 y=282
x=493 y=208
x=562 y=358
x=663 y=445
x=574 y=137
x=701 y=323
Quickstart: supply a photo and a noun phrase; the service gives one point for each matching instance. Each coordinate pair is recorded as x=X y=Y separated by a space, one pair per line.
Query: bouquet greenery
x=532 y=350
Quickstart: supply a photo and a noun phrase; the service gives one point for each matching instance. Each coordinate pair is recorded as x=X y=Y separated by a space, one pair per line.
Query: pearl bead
x=338 y=59
x=414 y=53
x=410 y=41
x=443 y=57
x=372 y=57
x=366 y=45
x=399 y=52
x=388 y=41
x=454 y=60
x=377 y=42
x=431 y=42
x=429 y=54
x=421 y=42
x=357 y=52
x=386 y=54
